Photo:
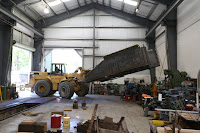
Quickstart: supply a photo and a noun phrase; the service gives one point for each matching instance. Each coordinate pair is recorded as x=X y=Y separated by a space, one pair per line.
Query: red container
x=189 y=107
x=55 y=121
x=128 y=98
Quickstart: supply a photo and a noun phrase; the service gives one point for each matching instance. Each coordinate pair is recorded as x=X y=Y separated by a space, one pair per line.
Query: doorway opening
x=67 y=56
x=21 y=68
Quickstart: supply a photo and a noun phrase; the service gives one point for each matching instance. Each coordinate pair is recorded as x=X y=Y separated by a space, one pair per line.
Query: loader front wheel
x=42 y=88
x=65 y=90
x=84 y=89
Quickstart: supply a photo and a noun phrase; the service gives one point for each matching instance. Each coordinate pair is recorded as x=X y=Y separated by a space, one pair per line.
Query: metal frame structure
x=129 y=17
x=170 y=22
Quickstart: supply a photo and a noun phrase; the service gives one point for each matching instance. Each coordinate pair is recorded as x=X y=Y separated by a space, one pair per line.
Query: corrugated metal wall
x=189 y=37
x=27 y=36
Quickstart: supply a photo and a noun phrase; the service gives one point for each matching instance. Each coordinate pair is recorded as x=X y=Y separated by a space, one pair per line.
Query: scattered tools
x=75 y=105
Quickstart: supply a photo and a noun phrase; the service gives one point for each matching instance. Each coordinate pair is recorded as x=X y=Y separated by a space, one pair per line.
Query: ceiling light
x=130 y=2
x=46 y=10
x=54 y=3
x=65 y=0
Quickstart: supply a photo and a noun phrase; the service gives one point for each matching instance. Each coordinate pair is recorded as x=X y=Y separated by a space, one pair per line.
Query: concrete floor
x=110 y=106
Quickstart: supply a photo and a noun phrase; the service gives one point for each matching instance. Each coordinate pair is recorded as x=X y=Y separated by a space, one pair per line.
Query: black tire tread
x=46 y=84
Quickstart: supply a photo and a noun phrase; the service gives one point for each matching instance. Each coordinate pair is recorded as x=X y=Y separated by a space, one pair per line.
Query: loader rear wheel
x=66 y=89
x=42 y=88
x=84 y=89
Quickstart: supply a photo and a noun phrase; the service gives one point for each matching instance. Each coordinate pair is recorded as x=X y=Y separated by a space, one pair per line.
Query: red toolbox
x=128 y=98
x=55 y=121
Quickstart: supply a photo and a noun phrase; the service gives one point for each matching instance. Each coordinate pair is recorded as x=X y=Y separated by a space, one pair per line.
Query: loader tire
x=51 y=91
x=84 y=89
x=42 y=88
x=65 y=89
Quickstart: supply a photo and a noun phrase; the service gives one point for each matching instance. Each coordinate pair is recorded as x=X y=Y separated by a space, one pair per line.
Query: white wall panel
x=67 y=43
x=77 y=21
x=188 y=14
x=189 y=37
x=162 y=56
x=121 y=33
x=62 y=33
x=112 y=21
x=88 y=62
x=188 y=50
x=108 y=47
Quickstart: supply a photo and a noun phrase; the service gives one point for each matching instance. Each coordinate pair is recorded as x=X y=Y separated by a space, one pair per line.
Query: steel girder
x=65 y=15
x=126 y=16
x=129 y=17
x=165 y=2
x=126 y=61
x=20 y=21
x=173 y=6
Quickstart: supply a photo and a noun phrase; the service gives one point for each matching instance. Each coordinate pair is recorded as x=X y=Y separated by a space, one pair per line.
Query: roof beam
x=118 y=13
x=19 y=1
x=20 y=21
x=85 y=2
x=65 y=15
x=65 y=6
x=151 y=11
x=122 y=8
x=50 y=7
x=165 y=2
x=79 y=5
x=126 y=16
x=170 y=9
x=23 y=12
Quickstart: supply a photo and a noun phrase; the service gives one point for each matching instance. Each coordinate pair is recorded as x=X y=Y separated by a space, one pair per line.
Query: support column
x=37 y=55
x=171 y=39
x=94 y=39
x=151 y=45
x=6 y=42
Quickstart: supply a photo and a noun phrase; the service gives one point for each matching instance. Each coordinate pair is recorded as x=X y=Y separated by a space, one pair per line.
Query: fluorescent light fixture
x=46 y=10
x=130 y=2
x=65 y=0
x=54 y=3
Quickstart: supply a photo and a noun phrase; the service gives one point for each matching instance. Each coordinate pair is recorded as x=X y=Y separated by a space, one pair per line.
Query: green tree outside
x=20 y=59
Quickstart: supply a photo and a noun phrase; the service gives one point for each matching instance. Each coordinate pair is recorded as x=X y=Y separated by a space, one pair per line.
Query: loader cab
x=58 y=68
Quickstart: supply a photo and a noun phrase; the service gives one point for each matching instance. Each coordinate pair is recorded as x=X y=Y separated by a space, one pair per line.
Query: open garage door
x=21 y=67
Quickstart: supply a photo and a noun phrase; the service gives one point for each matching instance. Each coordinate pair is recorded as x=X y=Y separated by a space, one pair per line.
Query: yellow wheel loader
x=47 y=83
